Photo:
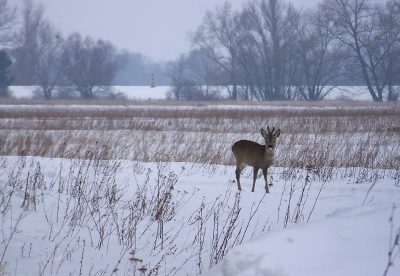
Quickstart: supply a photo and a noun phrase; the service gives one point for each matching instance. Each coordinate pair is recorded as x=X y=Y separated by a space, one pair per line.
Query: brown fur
x=255 y=155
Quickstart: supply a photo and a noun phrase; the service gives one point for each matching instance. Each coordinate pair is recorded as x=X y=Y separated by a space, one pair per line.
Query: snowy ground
x=349 y=229
x=132 y=92
x=105 y=216
x=349 y=241
x=159 y=92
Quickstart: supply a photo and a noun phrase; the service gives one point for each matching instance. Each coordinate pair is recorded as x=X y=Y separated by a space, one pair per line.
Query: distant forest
x=268 y=50
x=35 y=52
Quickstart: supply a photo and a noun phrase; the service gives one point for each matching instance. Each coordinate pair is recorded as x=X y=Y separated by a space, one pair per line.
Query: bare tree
x=37 y=50
x=217 y=37
x=358 y=25
x=251 y=75
x=47 y=59
x=275 y=22
x=319 y=60
x=184 y=86
x=178 y=74
x=7 y=19
x=250 y=60
x=25 y=43
x=194 y=76
x=269 y=24
x=389 y=19
x=5 y=80
x=271 y=51
x=88 y=65
x=205 y=73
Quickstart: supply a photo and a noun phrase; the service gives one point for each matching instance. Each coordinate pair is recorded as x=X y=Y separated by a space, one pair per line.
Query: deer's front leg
x=255 y=173
x=265 y=173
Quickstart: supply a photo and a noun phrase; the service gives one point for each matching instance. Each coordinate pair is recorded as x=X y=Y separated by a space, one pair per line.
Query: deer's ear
x=263 y=133
x=277 y=133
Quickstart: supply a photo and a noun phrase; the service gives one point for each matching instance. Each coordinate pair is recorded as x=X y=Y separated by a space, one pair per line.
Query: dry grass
x=322 y=135
x=357 y=142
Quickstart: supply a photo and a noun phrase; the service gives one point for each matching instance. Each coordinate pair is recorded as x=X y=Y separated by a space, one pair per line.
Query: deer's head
x=270 y=138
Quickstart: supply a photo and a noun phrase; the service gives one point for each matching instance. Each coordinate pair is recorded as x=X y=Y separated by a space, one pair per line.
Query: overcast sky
x=155 y=28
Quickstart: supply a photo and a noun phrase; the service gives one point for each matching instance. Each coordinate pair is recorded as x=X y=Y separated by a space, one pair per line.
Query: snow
x=348 y=232
x=132 y=92
x=352 y=241
x=85 y=217
x=359 y=93
x=144 y=92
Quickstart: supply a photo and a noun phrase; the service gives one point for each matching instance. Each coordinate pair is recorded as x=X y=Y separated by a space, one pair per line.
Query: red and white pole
x=152 y=81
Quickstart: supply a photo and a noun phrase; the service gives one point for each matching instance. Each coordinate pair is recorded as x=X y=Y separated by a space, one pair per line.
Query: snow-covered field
x=90 y=190
x=159 y=92
x=335 y=228
x=132 y=92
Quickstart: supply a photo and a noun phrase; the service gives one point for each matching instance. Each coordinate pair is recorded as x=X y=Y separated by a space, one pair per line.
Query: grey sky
x=155 y=28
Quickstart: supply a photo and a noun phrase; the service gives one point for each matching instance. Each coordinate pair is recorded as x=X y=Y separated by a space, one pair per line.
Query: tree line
x=36 y=53
x=269 y=50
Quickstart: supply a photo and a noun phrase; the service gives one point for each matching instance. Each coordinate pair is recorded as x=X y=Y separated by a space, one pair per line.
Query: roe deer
x=255 y=155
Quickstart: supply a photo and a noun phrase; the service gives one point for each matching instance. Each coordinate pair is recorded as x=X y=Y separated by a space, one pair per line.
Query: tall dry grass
x=322 y=135
x=321 y=141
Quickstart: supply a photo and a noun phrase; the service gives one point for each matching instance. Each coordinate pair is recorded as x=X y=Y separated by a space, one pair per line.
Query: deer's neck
x=268 y=155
